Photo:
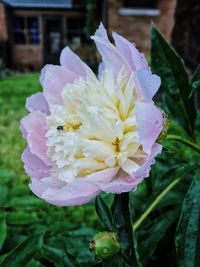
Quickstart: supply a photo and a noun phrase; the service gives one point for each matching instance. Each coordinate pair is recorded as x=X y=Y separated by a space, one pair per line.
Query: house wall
x=31 y=57
x=3 y=28
x=27 y=57
x=137 y=28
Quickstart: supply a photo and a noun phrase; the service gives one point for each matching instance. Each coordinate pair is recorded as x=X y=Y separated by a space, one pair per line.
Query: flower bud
x=163 y=134
x=105 y=245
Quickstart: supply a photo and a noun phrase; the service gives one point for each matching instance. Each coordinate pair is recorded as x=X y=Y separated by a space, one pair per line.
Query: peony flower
x=87 y=134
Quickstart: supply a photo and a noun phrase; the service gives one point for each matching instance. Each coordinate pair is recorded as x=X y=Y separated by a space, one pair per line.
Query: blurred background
x=33 y=32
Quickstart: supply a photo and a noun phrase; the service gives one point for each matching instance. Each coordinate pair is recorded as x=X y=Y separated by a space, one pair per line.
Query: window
x=140 y=8
x=26 y=30
x=141 y=3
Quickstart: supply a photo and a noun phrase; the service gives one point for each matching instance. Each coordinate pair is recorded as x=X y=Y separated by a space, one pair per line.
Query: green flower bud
x=163 y=134
x=105 y=245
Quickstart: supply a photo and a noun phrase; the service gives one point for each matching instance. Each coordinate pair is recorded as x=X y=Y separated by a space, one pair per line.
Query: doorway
x=53 y=36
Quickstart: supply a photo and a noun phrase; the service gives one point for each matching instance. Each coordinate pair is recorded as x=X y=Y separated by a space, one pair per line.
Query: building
x=33 y=32
x=132 y=19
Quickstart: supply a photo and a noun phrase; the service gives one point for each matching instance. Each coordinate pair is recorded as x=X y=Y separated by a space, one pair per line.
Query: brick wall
x=137 y=28
x=27 y=57
x=3 y=28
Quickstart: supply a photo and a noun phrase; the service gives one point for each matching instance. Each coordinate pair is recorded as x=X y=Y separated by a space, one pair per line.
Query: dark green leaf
x=34 y=263
x=76 y=243
x=3 y=195
x=53 y=254
x=69 y=260
x=196 y=78
x=24 y=252
x=3 y=231
x=21 y=218
x=153 y=232
x=104 y=213
x=115 y=261
x=24 y=201
x=188 y=230
x=124 y=229
x=175 y=81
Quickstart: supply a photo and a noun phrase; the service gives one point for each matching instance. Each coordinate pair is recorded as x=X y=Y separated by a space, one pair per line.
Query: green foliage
x=196 y=78
x=3 y=231
x=124 y=230
x=188 y=230
x=24 y=252
x=176 y=84
x=104 y=213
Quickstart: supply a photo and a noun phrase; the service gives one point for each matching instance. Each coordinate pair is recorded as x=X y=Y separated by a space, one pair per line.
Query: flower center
x=95 y=127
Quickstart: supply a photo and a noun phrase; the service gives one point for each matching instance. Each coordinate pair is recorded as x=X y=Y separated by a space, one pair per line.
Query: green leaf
x=104 y=213
x=196 y=78
x=53 y=254
x=175 y=81
x=153 y=233
x=124 y=229
x=69 y=260
x=3 y=231
x=3 y=195
x=188 y=230
x=115 y=261
x=21 y=218
x=24 y=201
x=24 y=252
x=34 y=263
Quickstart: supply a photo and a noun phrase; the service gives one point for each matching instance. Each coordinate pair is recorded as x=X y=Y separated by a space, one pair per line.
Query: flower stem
x=155 y=202
x=183 y=141
x=123 y=224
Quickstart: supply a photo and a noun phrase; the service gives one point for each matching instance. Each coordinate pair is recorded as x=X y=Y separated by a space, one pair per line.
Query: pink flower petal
x=72 y=62
x=34 y=130
x=112 y=58
x=37 y=102
x=125 y=183
x=134 y=58
x=104 y=176
x=147 y=84
x=53 y=79
x=34 y=166
x=149 y=124
x=120 y=184
x=146 y=167
x=101 y=68
x=76 y=193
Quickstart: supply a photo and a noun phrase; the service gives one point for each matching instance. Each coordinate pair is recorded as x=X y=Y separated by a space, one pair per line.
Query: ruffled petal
x=76 y=193
x=146 y=167
x=149 y=122
x=34 y=166
x=112 y=58
x=72 y=62
x=125 y=183
x=34 y=130
x=104 y=176
x=53 y=78
x=147 y=84
x=120 y=184
x=37 y=102
x=134 y=58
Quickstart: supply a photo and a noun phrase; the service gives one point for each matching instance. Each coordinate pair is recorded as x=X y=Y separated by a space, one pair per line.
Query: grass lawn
x=13 y=94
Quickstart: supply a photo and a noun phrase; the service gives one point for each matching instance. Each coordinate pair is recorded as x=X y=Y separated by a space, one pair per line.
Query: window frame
x=26 y=30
